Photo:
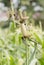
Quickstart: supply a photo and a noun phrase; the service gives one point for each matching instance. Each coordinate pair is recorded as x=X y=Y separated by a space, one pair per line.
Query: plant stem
x=27 y=54
x=31 y=58
x=12 y=10
x=27 y=51
x=40 y=24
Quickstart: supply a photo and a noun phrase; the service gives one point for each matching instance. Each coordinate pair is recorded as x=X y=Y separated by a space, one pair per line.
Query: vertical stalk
x=32 y=56
x=12 y=10
x=27 y=55
x=27 y=51
x=40 y=25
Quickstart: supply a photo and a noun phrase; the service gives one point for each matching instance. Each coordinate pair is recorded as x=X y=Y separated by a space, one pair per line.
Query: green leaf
x=12 y=62
x=41 y=61
x=38 y=38
x=12 y=26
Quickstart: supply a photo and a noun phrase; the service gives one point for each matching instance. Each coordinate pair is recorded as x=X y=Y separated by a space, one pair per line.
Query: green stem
x=27 y=51
x=27 y=55
x=28 y=61
x=12 y=10
x=32 y=56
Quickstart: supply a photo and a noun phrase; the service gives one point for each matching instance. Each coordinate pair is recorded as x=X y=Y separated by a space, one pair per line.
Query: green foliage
x=16 y=50
x=39 y=38
x=12 y=47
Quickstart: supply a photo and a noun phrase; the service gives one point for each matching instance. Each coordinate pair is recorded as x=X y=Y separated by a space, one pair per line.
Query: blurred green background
x=14 y=50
